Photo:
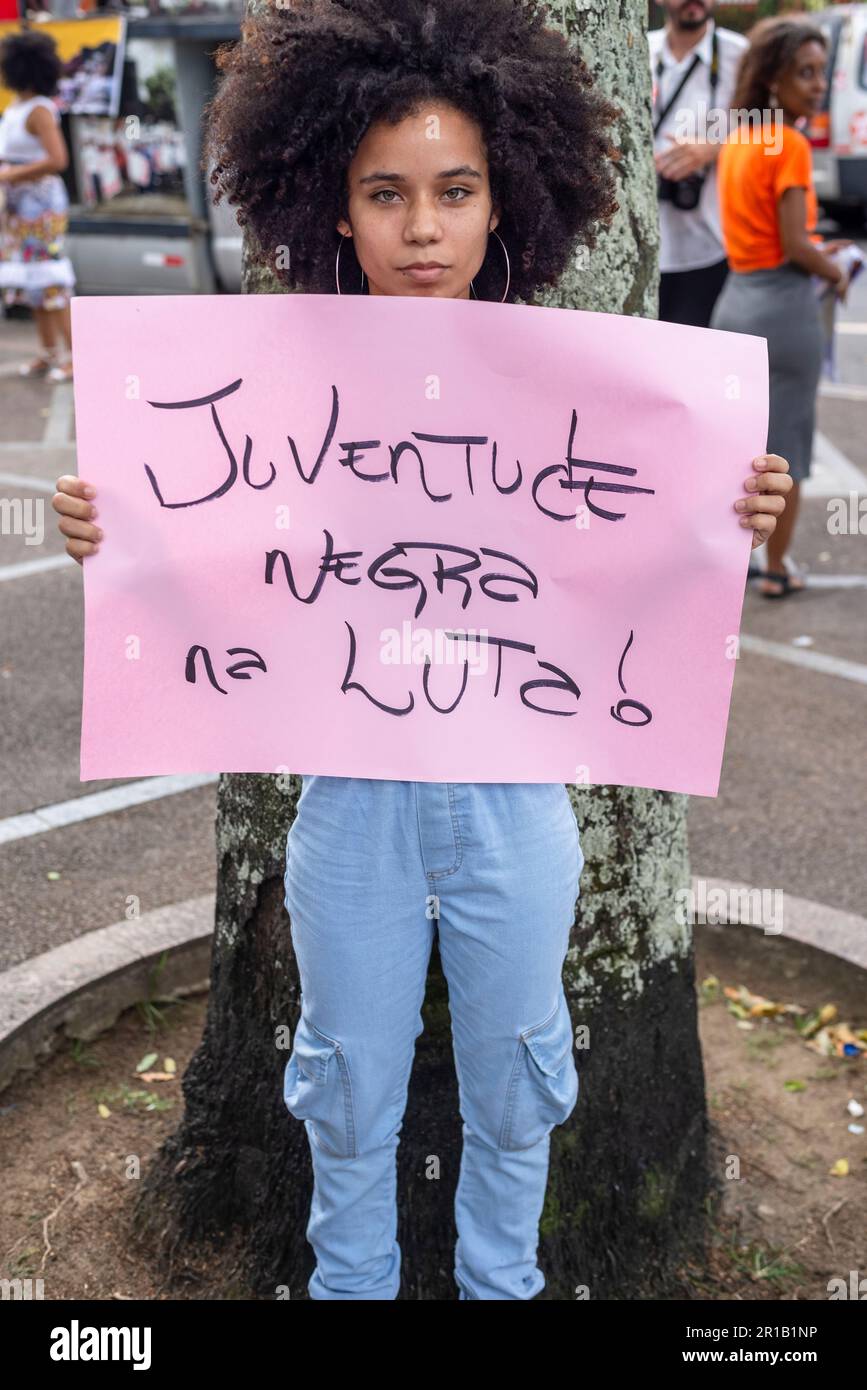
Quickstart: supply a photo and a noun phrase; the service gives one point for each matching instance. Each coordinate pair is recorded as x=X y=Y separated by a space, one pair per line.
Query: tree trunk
x=628 y=1177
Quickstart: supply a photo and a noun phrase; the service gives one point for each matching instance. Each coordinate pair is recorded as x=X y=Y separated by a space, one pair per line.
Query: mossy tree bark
x=628 y=1179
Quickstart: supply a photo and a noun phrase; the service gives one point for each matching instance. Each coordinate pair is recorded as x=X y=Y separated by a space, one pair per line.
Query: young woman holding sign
x=320 y=135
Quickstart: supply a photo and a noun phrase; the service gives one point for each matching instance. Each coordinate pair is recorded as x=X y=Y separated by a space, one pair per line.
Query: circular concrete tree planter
x=80 y=988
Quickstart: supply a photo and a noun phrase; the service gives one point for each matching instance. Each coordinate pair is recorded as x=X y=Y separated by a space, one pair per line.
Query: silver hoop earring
x=508 y=270
x=343 y=236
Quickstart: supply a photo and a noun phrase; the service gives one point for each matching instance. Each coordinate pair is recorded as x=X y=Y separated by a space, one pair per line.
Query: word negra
x=387 y=576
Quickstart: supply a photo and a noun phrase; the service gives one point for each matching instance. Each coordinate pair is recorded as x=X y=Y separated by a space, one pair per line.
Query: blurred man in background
x=694 y=65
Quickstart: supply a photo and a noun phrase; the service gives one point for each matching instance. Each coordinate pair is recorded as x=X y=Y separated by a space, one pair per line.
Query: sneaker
x=40 y=365
x=62 y=371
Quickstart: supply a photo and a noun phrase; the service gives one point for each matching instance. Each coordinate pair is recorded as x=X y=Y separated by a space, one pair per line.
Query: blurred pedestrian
x=694 y=71
x=769 y=212
x=34 y=216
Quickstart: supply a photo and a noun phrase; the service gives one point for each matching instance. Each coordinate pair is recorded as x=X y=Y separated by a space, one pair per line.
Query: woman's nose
x=422 y=222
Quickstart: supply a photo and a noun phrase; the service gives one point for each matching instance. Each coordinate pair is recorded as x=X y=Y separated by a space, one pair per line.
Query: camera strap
x=714 y=79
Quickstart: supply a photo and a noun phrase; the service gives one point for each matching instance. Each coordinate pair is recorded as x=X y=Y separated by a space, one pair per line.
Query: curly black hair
x=30 y=62
x=305 y=82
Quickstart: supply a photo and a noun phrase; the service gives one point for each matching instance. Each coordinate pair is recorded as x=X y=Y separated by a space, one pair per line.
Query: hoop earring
x=508 y=270
x=343 y=236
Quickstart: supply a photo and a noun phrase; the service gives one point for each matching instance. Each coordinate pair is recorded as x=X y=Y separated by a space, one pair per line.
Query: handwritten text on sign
x=432 y=540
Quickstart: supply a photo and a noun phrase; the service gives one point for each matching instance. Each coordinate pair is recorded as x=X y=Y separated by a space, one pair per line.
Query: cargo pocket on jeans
x=543 y=1086
x=317 y=1086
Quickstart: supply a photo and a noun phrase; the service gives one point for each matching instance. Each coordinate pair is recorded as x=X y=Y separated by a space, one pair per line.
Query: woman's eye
x=464 y=193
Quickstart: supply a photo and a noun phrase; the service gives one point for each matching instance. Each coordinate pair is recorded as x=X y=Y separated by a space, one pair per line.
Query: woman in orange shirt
x=768 y=211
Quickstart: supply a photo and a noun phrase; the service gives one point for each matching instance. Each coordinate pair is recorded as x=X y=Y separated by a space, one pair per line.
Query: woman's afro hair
x=29 y=60
x=307 y=79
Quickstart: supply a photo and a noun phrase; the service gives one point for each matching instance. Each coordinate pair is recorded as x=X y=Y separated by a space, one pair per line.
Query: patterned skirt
x=34 y=267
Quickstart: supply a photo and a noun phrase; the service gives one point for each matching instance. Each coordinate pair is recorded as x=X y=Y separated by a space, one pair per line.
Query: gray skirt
x=780 y=305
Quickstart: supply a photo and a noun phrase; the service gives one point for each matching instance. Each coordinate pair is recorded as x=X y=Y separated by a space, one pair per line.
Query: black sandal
x=783 y=579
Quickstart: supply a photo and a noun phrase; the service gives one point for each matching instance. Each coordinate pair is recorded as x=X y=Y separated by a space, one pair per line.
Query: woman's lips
x=427 y=275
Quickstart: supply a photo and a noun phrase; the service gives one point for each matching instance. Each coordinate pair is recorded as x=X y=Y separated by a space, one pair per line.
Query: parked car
x=838 y=133
x=141 y=217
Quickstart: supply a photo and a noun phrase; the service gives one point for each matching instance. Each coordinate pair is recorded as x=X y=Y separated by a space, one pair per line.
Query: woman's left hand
x=829 y=247
x=766 y=490
x=6 y=173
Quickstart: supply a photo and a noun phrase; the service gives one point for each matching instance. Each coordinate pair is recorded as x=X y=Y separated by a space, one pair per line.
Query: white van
x=838 y=133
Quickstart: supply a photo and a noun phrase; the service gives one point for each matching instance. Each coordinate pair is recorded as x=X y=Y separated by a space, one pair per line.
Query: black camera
x=682 y=193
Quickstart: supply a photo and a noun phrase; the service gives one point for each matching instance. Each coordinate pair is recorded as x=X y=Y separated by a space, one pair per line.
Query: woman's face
x=802 y=86
x=419 y=195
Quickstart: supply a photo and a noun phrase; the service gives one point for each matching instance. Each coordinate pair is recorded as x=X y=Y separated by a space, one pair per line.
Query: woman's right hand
x=841 y=287
x=71 y=500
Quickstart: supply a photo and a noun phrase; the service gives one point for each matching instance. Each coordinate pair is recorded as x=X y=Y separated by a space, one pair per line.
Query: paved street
x=794 y=786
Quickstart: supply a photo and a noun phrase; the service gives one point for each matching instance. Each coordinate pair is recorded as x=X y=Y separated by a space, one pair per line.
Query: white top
x=692 y=239
x=18 y=145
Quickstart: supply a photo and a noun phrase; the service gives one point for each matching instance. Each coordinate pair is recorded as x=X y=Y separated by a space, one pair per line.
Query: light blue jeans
x=373 y=869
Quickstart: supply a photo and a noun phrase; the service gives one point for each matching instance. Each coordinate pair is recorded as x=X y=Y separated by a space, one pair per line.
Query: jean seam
x=581 y=859
x=528 y=1032
x=506 y=1126
x=456 y=822
x=459 y=843
x=348 y=1107
x=346 y=1087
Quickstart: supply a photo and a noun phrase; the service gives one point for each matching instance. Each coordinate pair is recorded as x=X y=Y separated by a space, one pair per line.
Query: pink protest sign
x=435 y=540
